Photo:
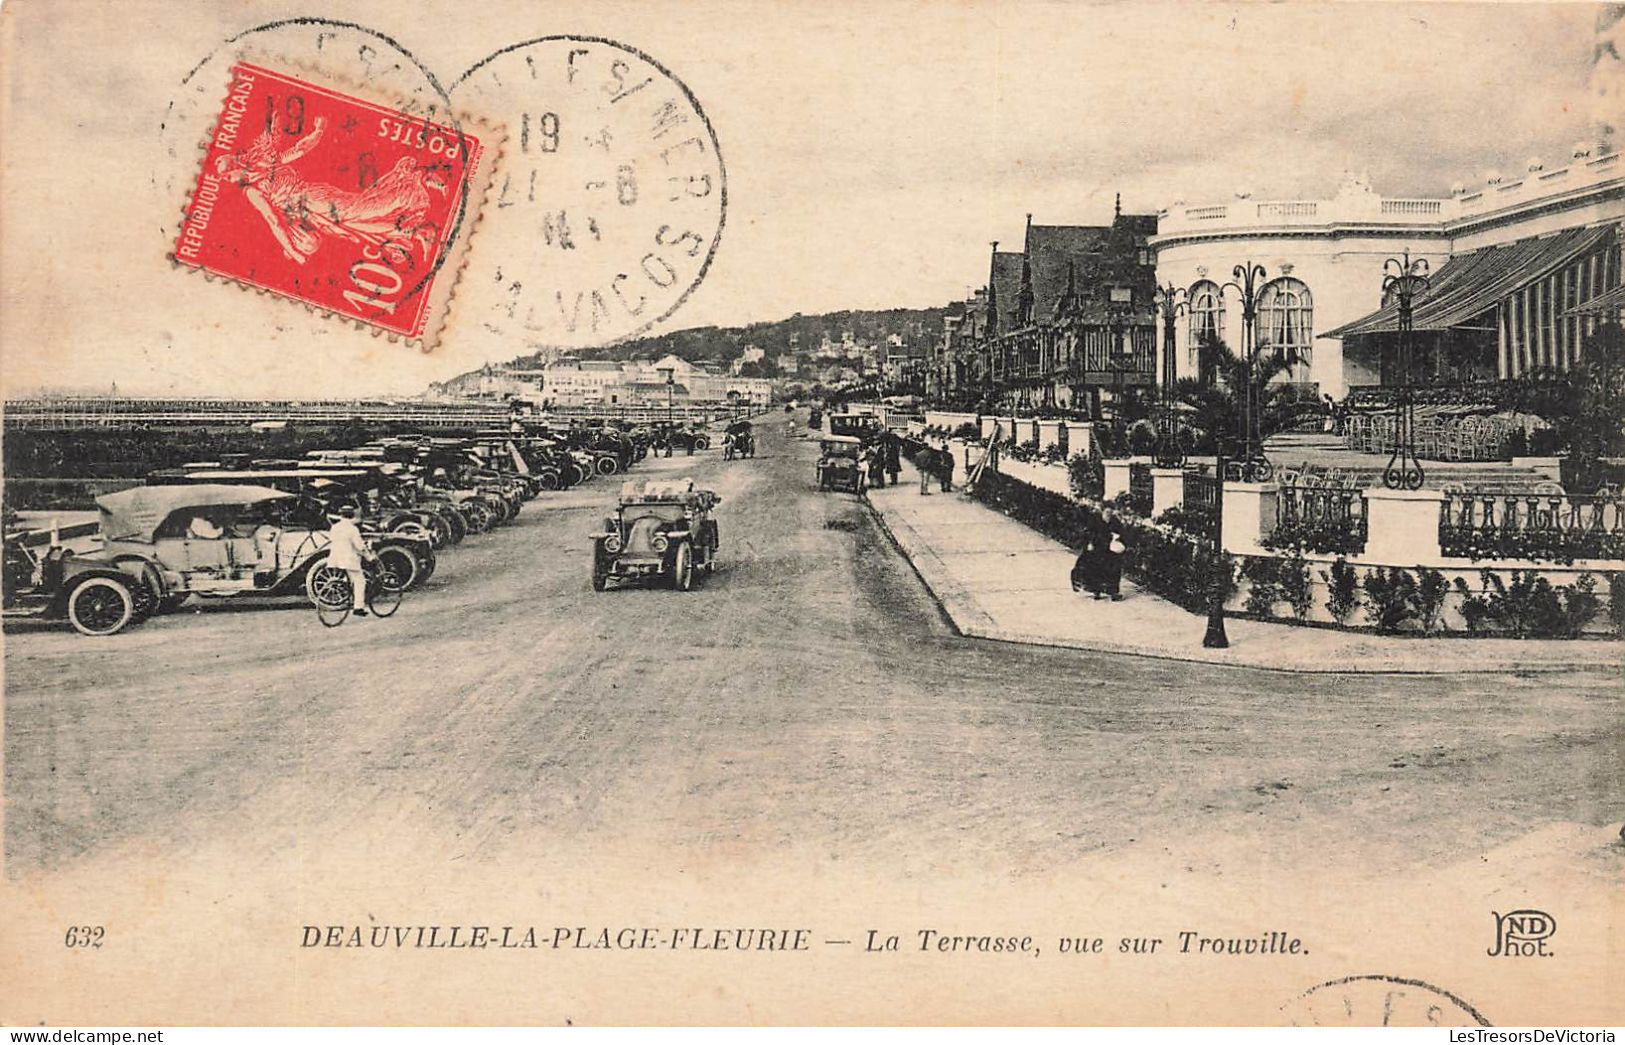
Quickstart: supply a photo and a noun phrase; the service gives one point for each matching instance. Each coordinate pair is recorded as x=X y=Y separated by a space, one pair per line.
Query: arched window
x=1205 y=307
x=1286 y=317
x=1206 y=311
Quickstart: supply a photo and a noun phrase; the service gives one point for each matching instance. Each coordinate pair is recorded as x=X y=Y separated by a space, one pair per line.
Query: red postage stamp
x=336 y=201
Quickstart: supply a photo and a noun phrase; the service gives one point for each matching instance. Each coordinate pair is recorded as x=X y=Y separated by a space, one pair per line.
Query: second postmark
x=612 y=197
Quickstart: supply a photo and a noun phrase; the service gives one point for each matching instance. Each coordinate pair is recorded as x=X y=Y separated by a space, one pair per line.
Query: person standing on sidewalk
x=894 y=465
x=945 y=466
x=926 y=463
x=1111 y=559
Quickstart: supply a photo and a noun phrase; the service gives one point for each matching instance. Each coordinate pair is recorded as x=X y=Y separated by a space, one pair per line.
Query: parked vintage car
x=861 y=426
x=403 y=537
x=215 y=541
x=659 y=529
x=839 y=464
x=44 y=579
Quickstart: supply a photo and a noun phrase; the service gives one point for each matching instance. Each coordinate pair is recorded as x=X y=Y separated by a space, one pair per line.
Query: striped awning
x=1607 y=301
x=1471 y=284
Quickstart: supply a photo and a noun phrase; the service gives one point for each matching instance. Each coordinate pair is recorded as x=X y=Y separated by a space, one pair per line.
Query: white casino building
x=1507 y=258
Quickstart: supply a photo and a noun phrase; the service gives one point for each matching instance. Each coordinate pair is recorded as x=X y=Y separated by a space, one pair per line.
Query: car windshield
x=668 y=511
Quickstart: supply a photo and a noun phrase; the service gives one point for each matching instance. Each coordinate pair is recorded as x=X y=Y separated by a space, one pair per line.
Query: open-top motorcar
x=43 y=578
x=840 y=463
x=211 y=540
x=659 y=529
x=402 y=536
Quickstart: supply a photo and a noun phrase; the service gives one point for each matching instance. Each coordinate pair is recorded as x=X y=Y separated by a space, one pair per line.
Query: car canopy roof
x=673 y=491
x=136 y=513
x=843 y=440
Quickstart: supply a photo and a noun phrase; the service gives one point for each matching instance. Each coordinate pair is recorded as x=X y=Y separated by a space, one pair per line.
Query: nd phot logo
x=1522 y=934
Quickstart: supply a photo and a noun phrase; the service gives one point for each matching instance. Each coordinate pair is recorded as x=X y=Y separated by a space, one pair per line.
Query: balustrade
x=1540 y=524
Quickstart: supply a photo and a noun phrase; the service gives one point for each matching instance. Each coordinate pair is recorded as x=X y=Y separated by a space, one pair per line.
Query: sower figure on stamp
x=388 y=214
x=347 y=552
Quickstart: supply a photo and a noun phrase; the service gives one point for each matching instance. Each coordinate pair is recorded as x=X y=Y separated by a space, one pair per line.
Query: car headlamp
x=659 y=542
x=612 y=543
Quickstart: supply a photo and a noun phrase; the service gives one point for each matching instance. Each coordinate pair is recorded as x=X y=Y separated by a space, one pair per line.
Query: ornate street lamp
x=1250 y=464
x=1402 y=280
x=1172 y=305
x=1120 y=358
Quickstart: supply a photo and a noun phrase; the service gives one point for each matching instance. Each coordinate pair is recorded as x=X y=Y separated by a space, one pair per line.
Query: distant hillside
x=917 y=326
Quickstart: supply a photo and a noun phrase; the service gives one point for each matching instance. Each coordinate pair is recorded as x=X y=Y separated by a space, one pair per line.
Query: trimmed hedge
x=1182 y=569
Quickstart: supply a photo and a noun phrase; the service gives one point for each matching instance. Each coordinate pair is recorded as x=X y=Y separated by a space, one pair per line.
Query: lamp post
x=1402 y=279
x=670 y=375
x=1172 y=304
x=1215 y=638
x=1252 y=465
x=1119 y=310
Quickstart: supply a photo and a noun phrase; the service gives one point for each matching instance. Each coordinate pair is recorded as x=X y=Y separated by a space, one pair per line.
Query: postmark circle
x=611 y=199
x=1385 y=1001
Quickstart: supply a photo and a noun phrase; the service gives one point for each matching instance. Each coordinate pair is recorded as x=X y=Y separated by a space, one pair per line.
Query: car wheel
x=439 y=532
x=101 y=606
x=401 y=566
x=682 y=567
x=327 y=586
x=600 y=577
x=608 y=466
x=427 y=561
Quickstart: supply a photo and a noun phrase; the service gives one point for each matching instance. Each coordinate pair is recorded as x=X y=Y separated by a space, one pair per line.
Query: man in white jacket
x=347 y=553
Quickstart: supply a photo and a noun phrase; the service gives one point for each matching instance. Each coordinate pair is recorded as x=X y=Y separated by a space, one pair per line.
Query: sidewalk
x=997 y=579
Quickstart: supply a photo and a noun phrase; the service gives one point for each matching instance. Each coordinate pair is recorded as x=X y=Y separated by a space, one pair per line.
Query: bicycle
x=334 y=598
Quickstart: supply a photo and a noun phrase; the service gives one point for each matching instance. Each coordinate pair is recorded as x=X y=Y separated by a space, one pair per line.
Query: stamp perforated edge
x=453 y=260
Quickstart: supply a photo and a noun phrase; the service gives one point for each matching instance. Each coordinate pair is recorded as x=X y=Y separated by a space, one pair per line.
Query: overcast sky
x=873 y=149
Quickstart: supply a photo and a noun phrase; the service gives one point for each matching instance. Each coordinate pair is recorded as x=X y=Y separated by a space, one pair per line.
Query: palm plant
x=1216 y=407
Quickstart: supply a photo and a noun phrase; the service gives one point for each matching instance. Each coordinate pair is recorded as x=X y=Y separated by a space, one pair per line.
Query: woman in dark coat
x=894 y=464
x=1086 y=570
x=1111 y=559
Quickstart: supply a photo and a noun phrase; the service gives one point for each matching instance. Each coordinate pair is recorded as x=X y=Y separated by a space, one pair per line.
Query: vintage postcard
x=814 y=513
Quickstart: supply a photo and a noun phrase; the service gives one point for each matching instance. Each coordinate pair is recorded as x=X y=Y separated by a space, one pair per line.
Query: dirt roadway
x=808 y=695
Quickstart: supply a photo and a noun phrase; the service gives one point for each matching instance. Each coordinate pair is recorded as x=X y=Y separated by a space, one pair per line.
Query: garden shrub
x=1529 y=607
x=1392 y=600
x=1343 y=590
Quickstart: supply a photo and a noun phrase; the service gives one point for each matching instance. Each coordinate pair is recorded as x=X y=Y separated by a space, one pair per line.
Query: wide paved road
x=808 y=697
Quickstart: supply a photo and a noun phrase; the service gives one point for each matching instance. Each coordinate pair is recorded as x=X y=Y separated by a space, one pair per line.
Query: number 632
x=84 y=936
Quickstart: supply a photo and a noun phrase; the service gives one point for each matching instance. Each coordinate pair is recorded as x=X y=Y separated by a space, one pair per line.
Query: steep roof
x=1050 y=248
x=1006 y=286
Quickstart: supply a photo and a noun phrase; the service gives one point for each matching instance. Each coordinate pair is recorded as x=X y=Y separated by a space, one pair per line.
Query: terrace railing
x=1322 y=517
x=1139 y=487
x=1202 y=488
x=1545 y=524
